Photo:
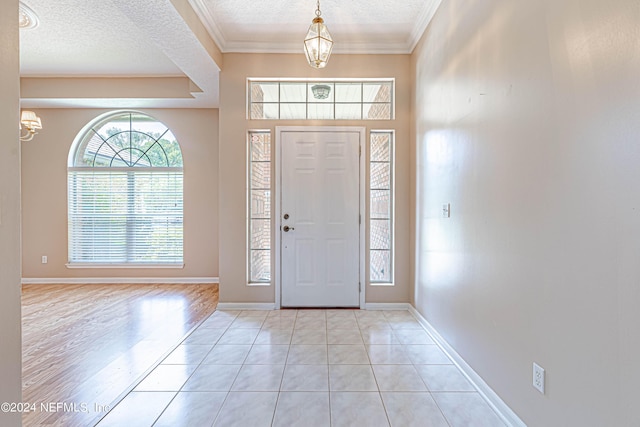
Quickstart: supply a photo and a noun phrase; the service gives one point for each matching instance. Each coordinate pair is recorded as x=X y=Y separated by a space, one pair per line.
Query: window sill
x=88 y=265
x=381 y=284
x=259 y=284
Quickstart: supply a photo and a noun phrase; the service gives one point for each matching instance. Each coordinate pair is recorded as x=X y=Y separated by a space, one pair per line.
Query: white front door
x=319 y=218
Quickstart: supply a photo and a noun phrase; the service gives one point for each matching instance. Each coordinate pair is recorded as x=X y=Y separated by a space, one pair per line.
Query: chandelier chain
x=318 y=13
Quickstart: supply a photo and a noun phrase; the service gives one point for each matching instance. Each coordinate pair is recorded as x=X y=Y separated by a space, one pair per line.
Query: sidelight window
x=259 y=206
x=381 y=206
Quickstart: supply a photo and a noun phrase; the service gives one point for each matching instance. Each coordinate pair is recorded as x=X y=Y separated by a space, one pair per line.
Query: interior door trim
x=277 y=210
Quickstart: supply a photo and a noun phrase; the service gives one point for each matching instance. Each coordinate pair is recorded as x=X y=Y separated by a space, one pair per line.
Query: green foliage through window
x=125 y=193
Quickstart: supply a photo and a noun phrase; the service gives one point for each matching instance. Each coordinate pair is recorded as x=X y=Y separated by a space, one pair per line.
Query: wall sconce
x=31 y=123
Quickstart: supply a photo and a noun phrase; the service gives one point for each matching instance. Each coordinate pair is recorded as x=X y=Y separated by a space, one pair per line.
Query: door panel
x=320 y=192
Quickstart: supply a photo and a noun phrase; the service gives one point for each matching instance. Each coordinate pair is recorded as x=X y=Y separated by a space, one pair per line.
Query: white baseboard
x=498 y=405
x=246 y=306
x=272 y=306
x=117 y=280
x=387 y=306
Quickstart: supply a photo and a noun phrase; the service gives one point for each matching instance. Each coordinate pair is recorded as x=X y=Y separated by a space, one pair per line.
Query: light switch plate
x=446 y=210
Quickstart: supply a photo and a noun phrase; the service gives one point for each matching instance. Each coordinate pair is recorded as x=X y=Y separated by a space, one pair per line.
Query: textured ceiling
x=357 y=26
x=151 y=38
x=76 y=37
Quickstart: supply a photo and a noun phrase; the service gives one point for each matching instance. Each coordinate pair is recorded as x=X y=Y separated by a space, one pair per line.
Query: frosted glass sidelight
x=259 y=206
x=381 y=206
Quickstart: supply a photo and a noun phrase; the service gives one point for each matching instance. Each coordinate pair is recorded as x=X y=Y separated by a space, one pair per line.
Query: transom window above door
x=323 y=99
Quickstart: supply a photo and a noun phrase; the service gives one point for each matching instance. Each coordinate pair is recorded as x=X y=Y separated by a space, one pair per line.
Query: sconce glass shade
x=318 y=44
x=29 y=120
x=31 y=123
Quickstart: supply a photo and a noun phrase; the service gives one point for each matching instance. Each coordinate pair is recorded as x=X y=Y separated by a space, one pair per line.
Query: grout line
x=142 y=376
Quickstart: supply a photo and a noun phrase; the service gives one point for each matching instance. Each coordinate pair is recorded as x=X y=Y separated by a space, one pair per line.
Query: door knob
x=286 y=228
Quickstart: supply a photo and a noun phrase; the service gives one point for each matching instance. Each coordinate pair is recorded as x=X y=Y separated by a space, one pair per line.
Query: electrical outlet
x=538 y=377
x=44 y=259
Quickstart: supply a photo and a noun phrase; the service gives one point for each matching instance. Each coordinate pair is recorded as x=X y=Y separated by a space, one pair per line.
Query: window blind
x=125 y=216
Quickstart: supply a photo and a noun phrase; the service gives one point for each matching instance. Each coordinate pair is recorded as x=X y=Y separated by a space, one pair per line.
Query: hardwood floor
x=85 y=345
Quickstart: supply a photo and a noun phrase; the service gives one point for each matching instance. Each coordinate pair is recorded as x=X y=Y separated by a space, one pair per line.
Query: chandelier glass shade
x=318 y=42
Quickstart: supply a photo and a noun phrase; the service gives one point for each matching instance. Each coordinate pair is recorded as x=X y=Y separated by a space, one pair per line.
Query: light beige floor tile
x=259 y=378
x=373 y=322
x=398 y=315
x=351 y=378
x=274 y=336
x=307 y=355
x=283 y=313
x=340 y=313
x=310 y=323
x=412 y=410
x=225 y=314
x=413 y=336
x=398 y=378
x=267 y=355
x=426 y=355
x=444 y=378
x=348 y=355
x=306 y=378
x=217 y=322
x=212 y=378
x=247 y=409
x=309 y=336
x=397 y=324
x=239 y=336
x=254 y=313
x=342 y=323
x=193 y=408
x=205 y=336
x=166 y=378
x=323 y=350
x=466 y=410
x=247 y=323
x=351 y=409
x=344 y=336
x=227 y=355
x=379 y=335
x=137 y=409
x=302 y=409
x=312 y=314
x=279 y=323
x=388 y=355
x=187 y=354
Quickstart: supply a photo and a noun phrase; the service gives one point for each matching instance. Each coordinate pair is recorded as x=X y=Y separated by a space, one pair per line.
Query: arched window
x=125 y=188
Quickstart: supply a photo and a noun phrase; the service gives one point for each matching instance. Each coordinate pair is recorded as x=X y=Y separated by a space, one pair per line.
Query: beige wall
x=10 y=321
x=233 y=131
x=528 y=117
x=44 y=193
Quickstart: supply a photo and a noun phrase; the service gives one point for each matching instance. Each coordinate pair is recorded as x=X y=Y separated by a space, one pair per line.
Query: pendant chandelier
x=318 y=42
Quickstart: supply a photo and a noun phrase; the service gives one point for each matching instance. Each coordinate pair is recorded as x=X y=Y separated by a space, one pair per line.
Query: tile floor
x=305 y=368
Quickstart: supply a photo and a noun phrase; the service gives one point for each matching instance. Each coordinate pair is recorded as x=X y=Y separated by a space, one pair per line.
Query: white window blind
x=125 y=194
x=125 y=216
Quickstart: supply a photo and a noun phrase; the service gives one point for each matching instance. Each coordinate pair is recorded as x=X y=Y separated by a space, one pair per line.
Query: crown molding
x=209 y=23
